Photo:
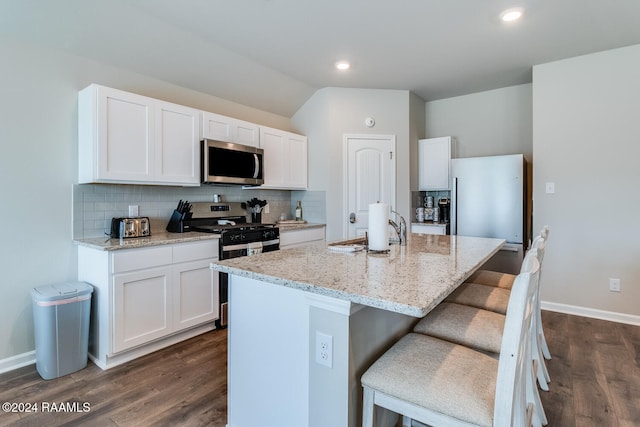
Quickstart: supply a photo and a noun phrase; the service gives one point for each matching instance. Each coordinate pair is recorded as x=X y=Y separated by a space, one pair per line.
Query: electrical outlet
x=134 y=210
x=324 y=349
x=266 y=208
x=614 y=285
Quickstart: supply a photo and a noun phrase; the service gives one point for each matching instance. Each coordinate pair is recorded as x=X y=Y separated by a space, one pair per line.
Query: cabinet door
x=428 y=229
x=297 y=161
x=141 y=307
x=228 y=129
x=272 y=141
x=245 y=133
x=125 y=136
x=177 y=158
x=293 y=238
x=285 y=159
x=216 y=126
x=195 y=294
x=434 y=157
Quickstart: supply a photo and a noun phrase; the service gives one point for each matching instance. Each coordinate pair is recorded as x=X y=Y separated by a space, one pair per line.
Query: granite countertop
x=410 y=279
x=156 y=239
x=166 y=238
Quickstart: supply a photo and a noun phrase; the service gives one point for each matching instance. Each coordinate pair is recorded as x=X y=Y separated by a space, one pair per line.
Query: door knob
x=352 y=217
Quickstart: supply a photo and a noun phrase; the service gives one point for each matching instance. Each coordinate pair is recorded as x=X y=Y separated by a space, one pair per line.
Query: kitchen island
x=305 y=323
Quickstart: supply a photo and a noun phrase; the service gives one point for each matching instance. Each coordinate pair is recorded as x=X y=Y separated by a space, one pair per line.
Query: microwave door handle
x=256 y=169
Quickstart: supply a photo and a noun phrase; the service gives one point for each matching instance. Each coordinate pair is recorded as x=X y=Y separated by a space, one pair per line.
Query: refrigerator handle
x=454 y=206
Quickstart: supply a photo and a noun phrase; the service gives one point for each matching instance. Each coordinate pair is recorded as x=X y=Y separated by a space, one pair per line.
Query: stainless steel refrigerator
x=488 y=200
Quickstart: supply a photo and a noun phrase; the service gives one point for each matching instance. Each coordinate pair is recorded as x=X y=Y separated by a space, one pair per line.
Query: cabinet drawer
x=294 y=237
x=428 y=229
x=136 y=259
x=184 y=252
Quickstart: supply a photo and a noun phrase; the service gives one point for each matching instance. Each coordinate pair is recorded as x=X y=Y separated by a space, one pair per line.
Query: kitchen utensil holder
x=179 y=222
x=256 y=217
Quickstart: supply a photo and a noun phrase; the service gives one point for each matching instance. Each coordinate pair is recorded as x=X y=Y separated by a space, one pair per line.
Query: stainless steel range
x=237 y=238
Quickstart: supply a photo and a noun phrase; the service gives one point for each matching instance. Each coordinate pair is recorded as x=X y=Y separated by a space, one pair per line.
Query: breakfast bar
x=306 y=322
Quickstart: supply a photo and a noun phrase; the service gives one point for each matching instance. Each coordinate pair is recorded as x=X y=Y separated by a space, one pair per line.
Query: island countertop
x=410 y=279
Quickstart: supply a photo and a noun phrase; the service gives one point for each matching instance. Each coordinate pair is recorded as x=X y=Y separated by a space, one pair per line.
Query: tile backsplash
x=95 y=204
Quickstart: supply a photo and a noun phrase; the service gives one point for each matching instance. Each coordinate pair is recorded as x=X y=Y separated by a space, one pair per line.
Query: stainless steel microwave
x=228 y=163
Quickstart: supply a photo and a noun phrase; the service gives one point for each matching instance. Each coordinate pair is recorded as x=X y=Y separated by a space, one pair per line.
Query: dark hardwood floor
x=183 y=385
x=595 y=373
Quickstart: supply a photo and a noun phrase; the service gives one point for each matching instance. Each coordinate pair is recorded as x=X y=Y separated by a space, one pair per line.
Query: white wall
x=586 y=127
x=38 y=167
x=485 y=124
x=333 y=112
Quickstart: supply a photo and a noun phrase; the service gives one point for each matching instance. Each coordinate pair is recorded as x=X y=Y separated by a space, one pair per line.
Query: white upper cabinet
x=129 y=138
x=228 y=129
x=177 y=150
x=434 y=160
x=285 y=159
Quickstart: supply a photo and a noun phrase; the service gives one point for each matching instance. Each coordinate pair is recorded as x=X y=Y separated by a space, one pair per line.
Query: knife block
x=179 y=222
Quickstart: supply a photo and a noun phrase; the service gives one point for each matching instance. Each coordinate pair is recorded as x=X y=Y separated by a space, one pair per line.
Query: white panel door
x=216 y=126
x=195 y=294
x=371 y=178
x=125 y=136
x=142 y=302
x=177 y=144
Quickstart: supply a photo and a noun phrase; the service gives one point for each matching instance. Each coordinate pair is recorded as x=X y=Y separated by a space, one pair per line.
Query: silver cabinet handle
x=352 y=217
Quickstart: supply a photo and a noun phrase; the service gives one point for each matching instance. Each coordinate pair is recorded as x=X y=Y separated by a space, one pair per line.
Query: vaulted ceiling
x=274 y=54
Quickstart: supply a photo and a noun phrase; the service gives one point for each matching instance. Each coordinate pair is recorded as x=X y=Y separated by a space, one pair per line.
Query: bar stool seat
x=481 y=296
x=445 y=377
x=441 y=383
x=492 y=278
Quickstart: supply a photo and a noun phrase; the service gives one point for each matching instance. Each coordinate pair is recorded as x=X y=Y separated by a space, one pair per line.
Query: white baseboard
x=611 y=316
x=18 y=361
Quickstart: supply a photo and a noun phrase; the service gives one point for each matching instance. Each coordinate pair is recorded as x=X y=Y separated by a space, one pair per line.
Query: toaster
x=124 y=228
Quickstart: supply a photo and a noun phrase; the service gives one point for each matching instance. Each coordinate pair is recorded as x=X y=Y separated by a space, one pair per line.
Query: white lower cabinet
x=195 y=294
x=430 y=228
x=301 y=236
x=148 y=298
x=141 y=307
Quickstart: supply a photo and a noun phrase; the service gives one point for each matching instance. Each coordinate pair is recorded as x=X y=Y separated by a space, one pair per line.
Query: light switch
x=550 y=187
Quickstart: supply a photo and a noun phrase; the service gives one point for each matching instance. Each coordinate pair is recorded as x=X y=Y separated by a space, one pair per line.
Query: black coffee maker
x=444 y=204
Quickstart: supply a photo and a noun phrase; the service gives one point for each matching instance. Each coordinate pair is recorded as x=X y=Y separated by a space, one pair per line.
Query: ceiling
x=274 y=54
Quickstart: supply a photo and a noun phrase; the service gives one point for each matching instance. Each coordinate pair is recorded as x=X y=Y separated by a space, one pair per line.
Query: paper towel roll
x=379 y=226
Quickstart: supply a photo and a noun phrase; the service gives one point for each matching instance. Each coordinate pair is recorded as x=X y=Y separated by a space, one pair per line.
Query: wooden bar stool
x=483 y=330
x=496 y=299
x=440 y=383
x=505 y=280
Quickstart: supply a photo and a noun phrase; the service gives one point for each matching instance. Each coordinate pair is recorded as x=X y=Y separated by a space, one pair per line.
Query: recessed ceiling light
x=342 y=65
x=513 y=14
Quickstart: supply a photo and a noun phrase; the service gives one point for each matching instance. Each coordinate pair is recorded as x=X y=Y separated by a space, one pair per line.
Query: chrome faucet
x=401 y=230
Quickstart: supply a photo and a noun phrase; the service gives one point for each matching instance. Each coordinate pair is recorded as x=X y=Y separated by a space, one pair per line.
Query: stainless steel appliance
x=488 y=201
x=237 y=238
x=124 y=228
x=228 y=163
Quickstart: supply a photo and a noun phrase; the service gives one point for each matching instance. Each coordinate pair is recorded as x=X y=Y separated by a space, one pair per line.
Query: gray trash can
x=61 y=320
